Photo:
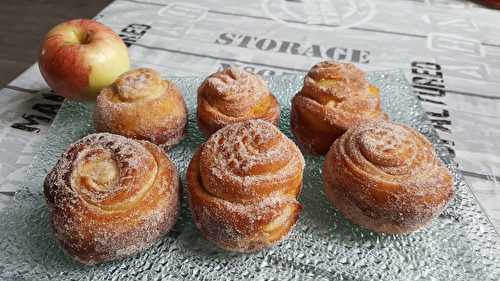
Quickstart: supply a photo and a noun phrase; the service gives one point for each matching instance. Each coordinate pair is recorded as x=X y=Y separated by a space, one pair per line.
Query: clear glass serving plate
x=461 y=244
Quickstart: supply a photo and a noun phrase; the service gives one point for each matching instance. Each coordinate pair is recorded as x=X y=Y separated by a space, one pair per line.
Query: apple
x=491 y=3
x=80 y=57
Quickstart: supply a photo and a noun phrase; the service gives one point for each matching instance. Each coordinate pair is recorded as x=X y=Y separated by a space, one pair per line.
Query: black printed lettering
x=52 y=97
x=227 y=38
x=47 y=109
x=265 y=44
x=430 y=101
x=266 y=72
x=430 y=82
x=444 y=114
x=140 y=26
x=342 y=54
x=313 y=51
x=448 y=142
x=419 y=90
x=440 y=125
x=356 y=56
x=31 y=121
x=364 y=56
x=424 y=71
x=284 y=47
x=245 y=41
x=336 y=53
x=254 y=69
x=449 y=146
x=133 y=32
x=426 y=65
x=293 y=48
x=451 y=151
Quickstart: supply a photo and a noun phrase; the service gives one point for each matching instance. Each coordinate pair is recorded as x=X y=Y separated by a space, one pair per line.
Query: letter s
x=225 y=38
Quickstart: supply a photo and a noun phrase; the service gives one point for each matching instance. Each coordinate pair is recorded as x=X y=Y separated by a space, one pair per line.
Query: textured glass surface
x=459 y=245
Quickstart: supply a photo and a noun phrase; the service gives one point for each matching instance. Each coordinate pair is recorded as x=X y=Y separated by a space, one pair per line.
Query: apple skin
x=80 y=57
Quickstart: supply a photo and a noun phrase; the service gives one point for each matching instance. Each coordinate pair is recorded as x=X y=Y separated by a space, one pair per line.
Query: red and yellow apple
x=80 y=57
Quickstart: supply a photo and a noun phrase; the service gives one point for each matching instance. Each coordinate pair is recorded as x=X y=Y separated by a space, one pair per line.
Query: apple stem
x=82 y=37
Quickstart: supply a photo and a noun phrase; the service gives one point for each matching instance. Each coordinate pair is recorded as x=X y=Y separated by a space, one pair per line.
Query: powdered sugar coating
x=131 y=160
x=387 y=148
x=243 y=185
x=386 y=177
x=234 y=95
x=335 y=97
x=138 y=84
x=112 y=213
x=246 y=159
x=342 y=89
x=394 y=149
x=140 y=105
x=349 y=79
x=233 y=91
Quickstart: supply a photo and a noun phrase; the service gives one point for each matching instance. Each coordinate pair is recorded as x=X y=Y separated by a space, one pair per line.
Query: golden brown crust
x=231 y=96
x=140 y=105
x=111 y=197
x=335 y=97
x=243 y=185
x=386 y=177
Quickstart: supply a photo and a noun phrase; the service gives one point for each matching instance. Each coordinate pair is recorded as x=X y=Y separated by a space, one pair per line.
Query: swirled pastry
x=111 y=197
x=335 y=97
x=233 y=95
x=386 y=177
x=243 y=186
x=140 y=105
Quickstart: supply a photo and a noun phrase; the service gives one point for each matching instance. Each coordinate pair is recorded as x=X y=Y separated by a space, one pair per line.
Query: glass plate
x=461 y=244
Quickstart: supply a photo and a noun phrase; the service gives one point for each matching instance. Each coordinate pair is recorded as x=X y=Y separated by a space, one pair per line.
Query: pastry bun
x=140 y=105
x=234 y=95
x=111 y=197
x=334 y=98
x=243 y=185
x=386 y=177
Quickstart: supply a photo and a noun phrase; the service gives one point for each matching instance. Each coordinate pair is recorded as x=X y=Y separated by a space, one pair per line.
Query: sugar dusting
x=347 y=100
x=253 y=235
x=349 y=79
x=334 y=97
x=237 y=166
x=131 y=158
x=390 y=173
x=233 y=92
x=137 y=84
x=235 y=155
x=393 y=149
x=141 y=105
x=95 y=225
x=140 y=81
